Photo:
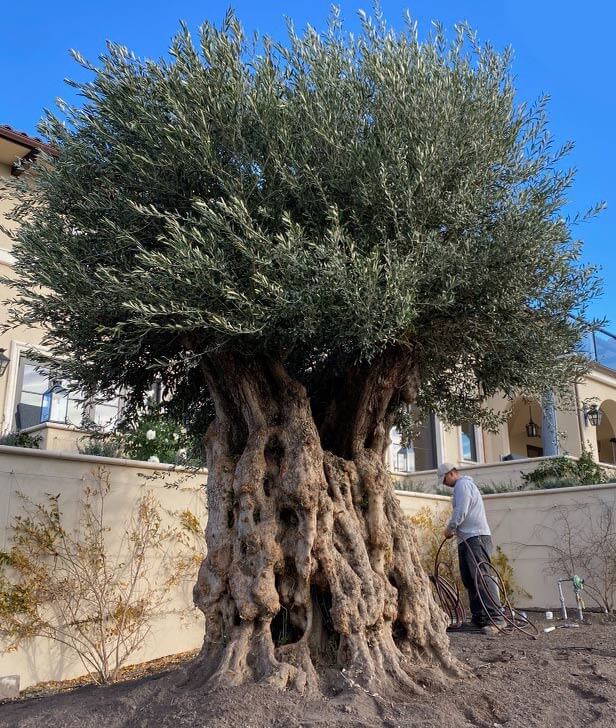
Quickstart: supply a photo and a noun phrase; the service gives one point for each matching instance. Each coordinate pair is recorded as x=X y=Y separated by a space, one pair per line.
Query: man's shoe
x=491 y=630
x=467 y=627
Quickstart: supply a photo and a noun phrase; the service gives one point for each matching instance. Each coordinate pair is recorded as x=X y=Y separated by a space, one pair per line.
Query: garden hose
x=449 y=598
x=448 y=593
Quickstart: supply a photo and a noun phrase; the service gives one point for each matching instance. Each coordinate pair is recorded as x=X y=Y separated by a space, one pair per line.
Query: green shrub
x=417 y=486
x=494 y=487
x=155 y=436
x=562 y=472
x=107 y=447
x=589 y=472
x=20 y=439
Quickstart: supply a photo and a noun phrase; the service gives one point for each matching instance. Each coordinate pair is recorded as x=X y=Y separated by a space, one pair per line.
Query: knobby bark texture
x=310 y=562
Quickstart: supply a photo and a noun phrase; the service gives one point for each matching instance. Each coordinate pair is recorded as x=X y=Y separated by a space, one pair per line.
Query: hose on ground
x=494 y=601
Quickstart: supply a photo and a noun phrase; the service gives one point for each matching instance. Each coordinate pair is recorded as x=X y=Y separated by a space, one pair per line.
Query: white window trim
x=7 y=258
x=439 y=438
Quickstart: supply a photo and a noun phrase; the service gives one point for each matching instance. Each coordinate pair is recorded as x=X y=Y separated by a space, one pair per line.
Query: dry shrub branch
x=80 y=587
x=585 y=544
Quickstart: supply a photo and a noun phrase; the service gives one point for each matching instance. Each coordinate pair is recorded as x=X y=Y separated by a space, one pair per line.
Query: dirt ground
x=564 y=678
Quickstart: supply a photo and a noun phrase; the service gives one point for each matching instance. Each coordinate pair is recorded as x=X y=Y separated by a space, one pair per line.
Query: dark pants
x=470 y=554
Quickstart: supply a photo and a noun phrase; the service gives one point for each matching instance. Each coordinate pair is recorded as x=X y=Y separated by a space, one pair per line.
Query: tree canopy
x=318 y=201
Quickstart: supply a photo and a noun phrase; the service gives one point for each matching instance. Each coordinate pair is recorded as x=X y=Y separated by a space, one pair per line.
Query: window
x=468 y=437
x=31 y=384
x=402 y=460
x=65 y=407
x=105 y=414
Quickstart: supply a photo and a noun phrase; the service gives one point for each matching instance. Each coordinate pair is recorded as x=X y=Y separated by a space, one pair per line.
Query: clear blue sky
x=562 y=47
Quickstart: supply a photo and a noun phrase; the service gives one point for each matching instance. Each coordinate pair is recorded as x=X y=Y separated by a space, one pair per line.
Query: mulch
x=564 y=679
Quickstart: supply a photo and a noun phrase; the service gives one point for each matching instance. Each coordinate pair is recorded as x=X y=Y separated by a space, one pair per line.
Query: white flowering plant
x=155 y=436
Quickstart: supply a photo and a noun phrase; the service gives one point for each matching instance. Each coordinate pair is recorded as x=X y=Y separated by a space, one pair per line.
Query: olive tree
x=311 y=234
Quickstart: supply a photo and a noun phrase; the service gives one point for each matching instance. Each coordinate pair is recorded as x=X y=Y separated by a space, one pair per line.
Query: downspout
x=580 y=414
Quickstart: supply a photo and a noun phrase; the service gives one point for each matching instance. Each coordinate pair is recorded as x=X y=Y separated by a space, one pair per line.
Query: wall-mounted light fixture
x=54 y=405
x=592 y=415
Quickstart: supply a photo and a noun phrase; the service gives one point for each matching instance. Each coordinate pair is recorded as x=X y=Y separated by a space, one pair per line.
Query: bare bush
x=69 y=584
x=585 y=544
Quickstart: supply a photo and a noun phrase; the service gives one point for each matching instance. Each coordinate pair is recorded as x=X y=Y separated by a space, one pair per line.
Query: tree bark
x=310 y=563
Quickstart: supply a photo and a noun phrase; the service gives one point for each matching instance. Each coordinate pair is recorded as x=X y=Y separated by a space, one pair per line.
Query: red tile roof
x=20 y=137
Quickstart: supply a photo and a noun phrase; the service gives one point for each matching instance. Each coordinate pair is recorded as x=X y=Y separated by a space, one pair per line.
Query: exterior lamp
x=593 y=416
x=55 y=403
x=4 y=361
x=532 y=429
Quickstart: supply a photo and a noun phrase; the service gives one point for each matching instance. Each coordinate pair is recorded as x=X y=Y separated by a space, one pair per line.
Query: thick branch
x=363 y=401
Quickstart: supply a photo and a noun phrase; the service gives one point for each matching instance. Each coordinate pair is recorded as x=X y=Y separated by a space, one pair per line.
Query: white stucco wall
x=35 y=473
x=525 y=525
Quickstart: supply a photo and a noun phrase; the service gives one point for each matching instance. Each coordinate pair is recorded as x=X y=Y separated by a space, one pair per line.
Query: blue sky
x=564 y=48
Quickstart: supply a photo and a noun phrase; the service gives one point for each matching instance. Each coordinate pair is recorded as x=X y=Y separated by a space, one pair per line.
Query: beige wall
x=36 y=473
x=5 y=206
x=56 y=437
x=599 y=387
x=15 y=342
x=525 y=525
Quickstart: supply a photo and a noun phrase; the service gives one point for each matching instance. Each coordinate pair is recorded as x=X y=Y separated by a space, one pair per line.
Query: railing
x=600 y=346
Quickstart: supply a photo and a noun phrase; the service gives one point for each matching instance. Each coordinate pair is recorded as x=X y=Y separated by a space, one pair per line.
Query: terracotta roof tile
x=20 y=137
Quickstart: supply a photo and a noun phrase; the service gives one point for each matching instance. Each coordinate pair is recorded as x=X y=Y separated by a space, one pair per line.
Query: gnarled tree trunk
x=310 y=561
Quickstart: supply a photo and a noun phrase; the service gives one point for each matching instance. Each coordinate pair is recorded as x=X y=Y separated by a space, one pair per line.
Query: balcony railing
x=600 y=346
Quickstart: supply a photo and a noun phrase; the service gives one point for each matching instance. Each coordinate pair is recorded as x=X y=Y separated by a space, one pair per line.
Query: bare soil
x=564 y=678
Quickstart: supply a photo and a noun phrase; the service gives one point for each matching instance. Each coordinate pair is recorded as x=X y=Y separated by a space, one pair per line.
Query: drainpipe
x=578 y=406
x=549 y=433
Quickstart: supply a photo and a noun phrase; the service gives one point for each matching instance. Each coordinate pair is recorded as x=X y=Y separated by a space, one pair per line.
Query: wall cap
x=516 y=493
x=97 y=459
x=426 y=496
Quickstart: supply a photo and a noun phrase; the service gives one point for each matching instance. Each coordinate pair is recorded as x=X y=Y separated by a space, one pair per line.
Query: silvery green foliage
x=318 y=200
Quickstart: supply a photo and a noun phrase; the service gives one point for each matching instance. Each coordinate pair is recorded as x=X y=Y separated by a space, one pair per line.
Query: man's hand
x=448 y=533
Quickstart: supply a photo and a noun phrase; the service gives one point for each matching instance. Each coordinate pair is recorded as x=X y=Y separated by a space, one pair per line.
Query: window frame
x=18 y=355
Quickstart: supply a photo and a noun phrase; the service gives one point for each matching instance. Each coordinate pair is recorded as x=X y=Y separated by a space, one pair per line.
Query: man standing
x=469 y=523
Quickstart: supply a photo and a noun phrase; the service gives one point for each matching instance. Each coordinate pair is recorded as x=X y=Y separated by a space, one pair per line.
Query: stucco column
x=549 y=426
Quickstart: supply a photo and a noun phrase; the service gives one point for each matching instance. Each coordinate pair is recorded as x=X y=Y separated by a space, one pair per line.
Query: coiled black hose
x=448 y=596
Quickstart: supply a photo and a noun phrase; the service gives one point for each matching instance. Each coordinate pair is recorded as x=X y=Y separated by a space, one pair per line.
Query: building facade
x=22 y=385
x=534 y=429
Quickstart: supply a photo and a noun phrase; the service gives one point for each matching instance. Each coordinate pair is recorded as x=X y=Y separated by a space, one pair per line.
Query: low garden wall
x=36 y=473
x=527 y=525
